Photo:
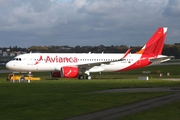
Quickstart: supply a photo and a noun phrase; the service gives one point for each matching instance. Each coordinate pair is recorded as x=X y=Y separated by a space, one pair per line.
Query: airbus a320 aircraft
x=71 y=65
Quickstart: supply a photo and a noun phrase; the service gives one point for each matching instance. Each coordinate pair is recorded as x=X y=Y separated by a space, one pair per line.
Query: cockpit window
x=16 y=59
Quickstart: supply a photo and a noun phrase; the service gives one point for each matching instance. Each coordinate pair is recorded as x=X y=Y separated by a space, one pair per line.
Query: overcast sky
x=26 y=23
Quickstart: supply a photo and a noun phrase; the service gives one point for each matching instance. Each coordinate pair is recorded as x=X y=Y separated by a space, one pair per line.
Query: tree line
x=169 y=49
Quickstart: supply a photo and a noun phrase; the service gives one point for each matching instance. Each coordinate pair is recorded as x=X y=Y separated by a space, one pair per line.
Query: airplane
x=80 y=65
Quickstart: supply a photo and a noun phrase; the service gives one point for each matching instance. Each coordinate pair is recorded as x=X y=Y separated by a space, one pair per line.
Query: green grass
x=2 y=67
x=63 y=98
x=59 y=100
x=167 y=112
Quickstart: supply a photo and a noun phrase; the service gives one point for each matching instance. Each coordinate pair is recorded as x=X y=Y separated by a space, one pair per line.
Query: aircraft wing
x=160 y=60
x=105 y=62
x=96 y=67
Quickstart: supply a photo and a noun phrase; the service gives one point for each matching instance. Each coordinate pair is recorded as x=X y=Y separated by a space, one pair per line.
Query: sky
x=26 y=23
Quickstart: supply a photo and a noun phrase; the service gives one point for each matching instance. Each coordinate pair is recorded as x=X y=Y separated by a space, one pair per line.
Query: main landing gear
x=81 y=77
x=84 y=74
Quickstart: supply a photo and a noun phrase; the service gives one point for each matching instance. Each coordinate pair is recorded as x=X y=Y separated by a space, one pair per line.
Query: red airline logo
x=37 y=62
x=57 y=59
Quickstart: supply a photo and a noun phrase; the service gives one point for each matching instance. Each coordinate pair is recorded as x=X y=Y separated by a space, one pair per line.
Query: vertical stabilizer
x=155 y=44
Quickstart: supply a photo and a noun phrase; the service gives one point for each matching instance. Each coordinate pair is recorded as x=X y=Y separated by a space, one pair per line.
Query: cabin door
x=29 y=60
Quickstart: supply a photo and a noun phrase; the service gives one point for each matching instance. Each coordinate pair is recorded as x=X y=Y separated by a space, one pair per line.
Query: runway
x=118 y=112
x=6 y=71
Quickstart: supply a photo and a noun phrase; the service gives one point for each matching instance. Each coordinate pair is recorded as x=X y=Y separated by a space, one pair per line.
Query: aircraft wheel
x=88 y=77
x=81 y=77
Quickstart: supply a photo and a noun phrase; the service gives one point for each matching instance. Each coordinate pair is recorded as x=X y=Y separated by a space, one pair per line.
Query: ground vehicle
x=21 y=78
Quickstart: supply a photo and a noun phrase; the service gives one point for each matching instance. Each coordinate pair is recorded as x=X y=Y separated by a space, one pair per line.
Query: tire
x=88 y=77
x=80 y=77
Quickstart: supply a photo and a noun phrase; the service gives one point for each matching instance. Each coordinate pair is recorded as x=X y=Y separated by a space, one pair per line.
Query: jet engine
x=66 y=72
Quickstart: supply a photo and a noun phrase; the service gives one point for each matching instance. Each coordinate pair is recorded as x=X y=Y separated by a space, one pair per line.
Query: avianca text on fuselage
x=58 y=59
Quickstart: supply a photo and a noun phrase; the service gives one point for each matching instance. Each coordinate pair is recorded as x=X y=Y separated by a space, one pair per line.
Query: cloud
x=86 y=22
x=172 y=9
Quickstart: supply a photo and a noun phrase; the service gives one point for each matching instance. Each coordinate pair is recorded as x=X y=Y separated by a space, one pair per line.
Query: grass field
x=62 y=98
x=167 y=112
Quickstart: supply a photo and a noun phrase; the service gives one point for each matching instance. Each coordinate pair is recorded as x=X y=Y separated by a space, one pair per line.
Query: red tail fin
x=155 y=43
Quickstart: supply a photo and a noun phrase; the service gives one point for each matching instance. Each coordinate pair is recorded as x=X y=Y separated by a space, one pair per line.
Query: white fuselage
x=54 y=61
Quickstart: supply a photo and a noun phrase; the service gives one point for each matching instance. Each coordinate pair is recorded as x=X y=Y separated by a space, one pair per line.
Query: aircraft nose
x=9 y=65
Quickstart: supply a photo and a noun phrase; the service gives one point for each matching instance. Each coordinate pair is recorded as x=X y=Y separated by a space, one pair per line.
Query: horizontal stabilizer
x=160 y=60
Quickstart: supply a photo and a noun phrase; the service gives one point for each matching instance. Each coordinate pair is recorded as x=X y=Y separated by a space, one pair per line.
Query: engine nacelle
x=69 y=72
x=66 y=72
